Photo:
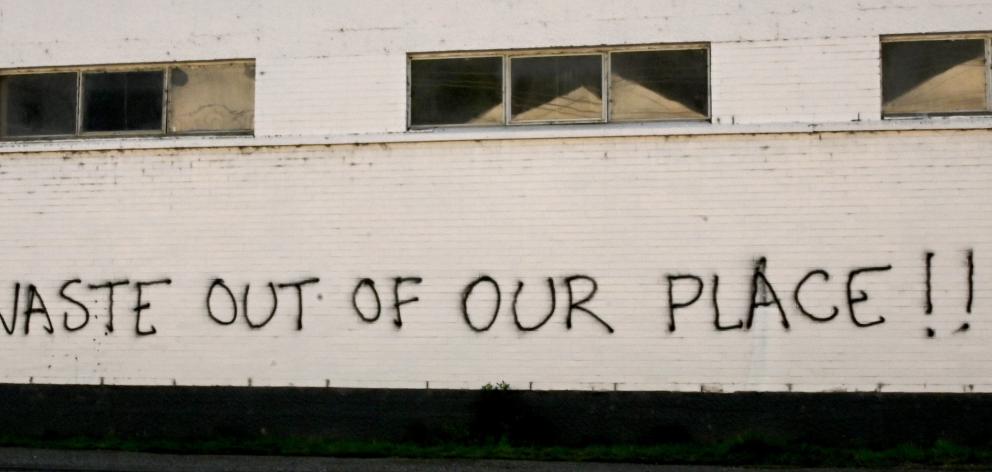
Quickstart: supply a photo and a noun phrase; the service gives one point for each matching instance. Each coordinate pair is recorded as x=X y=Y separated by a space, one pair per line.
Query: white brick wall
x=625 y=211
x=382 y=203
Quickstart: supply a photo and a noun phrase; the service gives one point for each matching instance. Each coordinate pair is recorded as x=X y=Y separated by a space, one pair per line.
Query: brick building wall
x=797 y=168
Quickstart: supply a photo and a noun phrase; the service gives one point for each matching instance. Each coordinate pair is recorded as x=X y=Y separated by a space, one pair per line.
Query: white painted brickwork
x=625 y=204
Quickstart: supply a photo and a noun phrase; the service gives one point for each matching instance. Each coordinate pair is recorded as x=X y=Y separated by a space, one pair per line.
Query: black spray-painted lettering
x=971 y=280
x=716 y=309
x=29 y=309
x=799 y=304
x=397 y=303
x=139 y=306
x=109 y=285
x=862 y=296
x=516 y=296
x=468 y=293
x=299 y=297
x=577 y=305
x=929 y=259
x=234 y=303
x=763 y=294
x=272 y=312
x=672 y=305
x=65 y=315
x=375 y=293
x=970 y=256
x=13 y=313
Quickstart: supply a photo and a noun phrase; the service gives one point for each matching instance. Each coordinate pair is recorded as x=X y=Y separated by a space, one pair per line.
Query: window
x=457 y=91
x=122 y=101
x=212 y=98
x=556 y=88
x=582 y=85
x=215 y=98
x=38 y=105
x=652 y=85
x=935 y=75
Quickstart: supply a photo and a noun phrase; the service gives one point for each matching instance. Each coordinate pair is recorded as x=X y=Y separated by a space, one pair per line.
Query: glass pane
x=122 y=101
x=456 y=91
x=659 y=85
x=933 y=76
x=38 y=104
x=557 y=88
x=214 y=97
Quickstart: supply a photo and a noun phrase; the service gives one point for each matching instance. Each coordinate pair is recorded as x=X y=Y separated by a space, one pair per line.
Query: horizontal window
x=652 y=85
x=38 y=104
x=936 y=75
x=561 y=86
x=212 y=98
x=128 y=100
x=122 y=101
x=457 y=91
x=556 y=88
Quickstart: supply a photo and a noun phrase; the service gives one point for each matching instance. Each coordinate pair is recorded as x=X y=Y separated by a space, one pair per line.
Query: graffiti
x=109 y=286
x=230 y=295
x=80 y=305
x=397 y=302
x=802 y=308
x=468 y=293
x=139 y=306
x=577 y=305
x=378 y=302
x=272 y=312
x=762 y=289
x=219 y=283
x=573 y=304
x=716 y=310
x=551 y=311
x=862 y=296
x=41 y=309
x=481 y=301
x=672 y=304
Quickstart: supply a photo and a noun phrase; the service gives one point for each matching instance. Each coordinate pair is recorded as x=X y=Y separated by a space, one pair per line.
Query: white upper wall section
x=338 y=67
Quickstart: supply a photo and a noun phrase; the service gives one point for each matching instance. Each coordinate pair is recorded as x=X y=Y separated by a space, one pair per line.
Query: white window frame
x=604 y=51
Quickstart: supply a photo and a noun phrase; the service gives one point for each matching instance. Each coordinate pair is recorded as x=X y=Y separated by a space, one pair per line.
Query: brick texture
x=626 y=211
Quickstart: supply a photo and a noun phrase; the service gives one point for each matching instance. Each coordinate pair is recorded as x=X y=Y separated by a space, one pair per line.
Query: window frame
x=81 y=103
x=508 y=87
x=80 y=71
x=923 y=37
x=38 y=71
x=605 y=53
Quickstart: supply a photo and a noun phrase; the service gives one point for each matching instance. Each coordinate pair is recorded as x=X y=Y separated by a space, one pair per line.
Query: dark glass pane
x=122 y=101
x=456 y=91
x=38 y=104
x=659 y=85
x=933 y=76
x=557 y=88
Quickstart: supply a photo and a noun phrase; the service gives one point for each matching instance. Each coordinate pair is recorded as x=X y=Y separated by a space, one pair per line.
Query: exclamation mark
x=971 y=289
x=929 y=310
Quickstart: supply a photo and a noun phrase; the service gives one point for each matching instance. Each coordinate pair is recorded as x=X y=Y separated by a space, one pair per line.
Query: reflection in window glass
x=122 y=101
x=933 y=76
x=456 y=91
x=659 y=85
x=212 y=97
x=556 y=88
x=38 y=104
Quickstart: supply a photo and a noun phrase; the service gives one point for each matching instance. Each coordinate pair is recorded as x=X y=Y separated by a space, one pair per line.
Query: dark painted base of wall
x=556 y=418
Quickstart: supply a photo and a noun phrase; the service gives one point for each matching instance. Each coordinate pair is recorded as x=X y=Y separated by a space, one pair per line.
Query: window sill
x=498 y=133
